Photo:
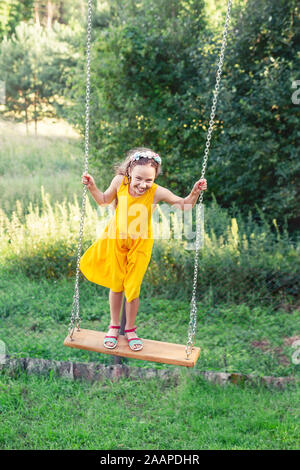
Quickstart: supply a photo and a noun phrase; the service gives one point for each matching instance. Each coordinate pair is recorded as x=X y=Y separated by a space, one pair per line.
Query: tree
x=35 y=64
x=47 y=12
x=141 y=75
x=153 y=74
x=42 y=12
x=12 y=12
x=255 y=163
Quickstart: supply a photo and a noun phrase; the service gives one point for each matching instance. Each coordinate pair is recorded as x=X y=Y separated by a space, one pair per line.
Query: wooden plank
x=154 y=351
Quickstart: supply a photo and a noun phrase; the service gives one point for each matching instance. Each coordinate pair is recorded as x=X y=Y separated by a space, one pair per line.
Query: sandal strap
x=111 y=326
x=136 y=342
x=130 y=331
x=110 y=339
x=134 y=339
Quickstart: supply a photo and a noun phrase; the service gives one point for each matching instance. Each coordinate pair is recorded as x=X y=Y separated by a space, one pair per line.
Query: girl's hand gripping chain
x=88 y=180
x=200 y=185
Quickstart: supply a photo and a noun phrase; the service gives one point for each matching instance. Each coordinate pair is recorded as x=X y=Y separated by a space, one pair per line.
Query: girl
x=119 y=259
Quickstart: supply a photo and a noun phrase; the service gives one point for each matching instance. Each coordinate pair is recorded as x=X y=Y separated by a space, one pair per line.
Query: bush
x=152 y=79
x=240 y=261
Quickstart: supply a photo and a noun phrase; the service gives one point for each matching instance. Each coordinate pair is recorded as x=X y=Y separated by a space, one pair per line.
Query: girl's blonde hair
x=123 y=167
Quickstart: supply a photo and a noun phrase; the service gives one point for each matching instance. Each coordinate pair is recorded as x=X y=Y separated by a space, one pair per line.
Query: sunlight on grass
x=245 y=261
x=52 y=160
x=29 y=227
x=44 y=227
x=46 y=128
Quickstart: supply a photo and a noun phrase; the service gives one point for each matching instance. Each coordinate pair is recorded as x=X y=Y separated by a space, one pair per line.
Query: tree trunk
x=49 y=14
x=35 y=107
x=61 y=12
x=36 y=13
x=26 y=117
x=82 y=7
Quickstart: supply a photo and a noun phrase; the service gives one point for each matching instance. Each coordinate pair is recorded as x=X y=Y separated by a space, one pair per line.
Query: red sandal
x=135 y=340
x=111 y=339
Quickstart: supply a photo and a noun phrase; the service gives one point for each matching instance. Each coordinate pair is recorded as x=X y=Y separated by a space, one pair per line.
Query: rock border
x=91 y=372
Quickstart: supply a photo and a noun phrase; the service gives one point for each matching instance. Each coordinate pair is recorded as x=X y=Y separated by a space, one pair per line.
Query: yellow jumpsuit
x=120 y=257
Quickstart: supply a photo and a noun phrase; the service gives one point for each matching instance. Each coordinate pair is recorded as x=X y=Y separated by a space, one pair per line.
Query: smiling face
x=142 y=178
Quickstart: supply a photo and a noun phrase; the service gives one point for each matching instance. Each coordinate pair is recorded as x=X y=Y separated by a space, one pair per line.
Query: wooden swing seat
x=154 y=351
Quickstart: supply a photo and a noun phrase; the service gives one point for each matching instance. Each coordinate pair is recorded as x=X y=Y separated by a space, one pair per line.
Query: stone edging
x=92 y=371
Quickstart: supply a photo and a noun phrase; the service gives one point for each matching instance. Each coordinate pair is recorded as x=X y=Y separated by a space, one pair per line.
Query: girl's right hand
x=88 y=180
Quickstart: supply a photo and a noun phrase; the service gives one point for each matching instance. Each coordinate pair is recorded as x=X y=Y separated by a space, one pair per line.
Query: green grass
x=53 y=159
x=35 y=318
x=51 y=413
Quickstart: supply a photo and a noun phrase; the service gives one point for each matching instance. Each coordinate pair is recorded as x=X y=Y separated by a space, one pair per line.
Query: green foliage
x=12 y=12
x=153 y=73
x=140 y=75
x=35 y=64
x=50 y=261
x=255 y=162
x=43 y=12
x=245 y=263
x=250 y=274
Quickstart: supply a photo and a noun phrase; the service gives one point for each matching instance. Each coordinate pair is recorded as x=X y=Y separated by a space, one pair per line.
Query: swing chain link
x=75 y=314
x=193 y=312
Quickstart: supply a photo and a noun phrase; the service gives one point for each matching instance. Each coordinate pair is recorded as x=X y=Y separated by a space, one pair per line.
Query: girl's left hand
x=200 y=185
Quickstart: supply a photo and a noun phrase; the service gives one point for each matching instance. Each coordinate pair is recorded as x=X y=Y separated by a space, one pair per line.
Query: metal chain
x=193 y=313
x=75 y=314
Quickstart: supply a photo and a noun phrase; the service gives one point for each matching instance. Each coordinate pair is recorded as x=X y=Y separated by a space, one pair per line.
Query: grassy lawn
x=50 y=413
x=233 y=338
x=52 y=159
x=54 y=413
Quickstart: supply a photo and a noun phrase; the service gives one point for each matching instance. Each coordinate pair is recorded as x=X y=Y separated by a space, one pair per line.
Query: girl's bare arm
x=187 y=203
x=101 y=198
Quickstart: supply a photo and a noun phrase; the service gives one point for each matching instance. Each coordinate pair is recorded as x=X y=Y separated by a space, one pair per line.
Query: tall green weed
x=239 y=261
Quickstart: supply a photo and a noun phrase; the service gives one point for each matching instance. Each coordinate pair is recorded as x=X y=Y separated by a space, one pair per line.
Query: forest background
x=153 y=66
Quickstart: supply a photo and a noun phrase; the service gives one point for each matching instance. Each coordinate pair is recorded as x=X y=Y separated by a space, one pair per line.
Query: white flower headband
x=138 y=155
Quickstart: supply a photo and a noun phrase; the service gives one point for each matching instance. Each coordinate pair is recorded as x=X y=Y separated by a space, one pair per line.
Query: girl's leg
x=131 y=313
x=115 y=303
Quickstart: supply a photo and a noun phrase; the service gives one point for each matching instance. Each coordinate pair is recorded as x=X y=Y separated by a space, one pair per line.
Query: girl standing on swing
x=120 y=257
